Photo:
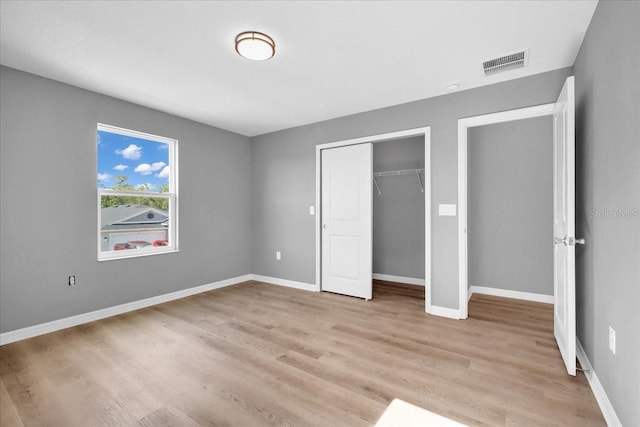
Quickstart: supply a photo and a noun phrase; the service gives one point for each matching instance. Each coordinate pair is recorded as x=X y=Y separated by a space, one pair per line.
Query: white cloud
x=164 y=173
x=147 y=169
x=121 y=167
x=144 y=169
x=103 y=177
x=132 y=152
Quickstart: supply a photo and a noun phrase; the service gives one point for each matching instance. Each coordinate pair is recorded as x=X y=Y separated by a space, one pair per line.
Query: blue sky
x=144 y=162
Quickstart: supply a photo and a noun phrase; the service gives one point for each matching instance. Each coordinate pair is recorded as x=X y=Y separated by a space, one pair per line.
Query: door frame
x=383 y=137
x=463 y=127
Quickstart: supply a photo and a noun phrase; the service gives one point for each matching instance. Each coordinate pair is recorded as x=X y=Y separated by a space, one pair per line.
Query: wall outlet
x=72 y=280
x=278 y=255
x=612 y=340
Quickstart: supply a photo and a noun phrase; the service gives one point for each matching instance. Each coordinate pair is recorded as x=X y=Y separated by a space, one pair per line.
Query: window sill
x=136 y=254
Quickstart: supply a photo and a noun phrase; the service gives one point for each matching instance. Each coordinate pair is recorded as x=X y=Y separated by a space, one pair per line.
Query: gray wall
x=283 y=182
x=510 y=205
x=608 y=184
x=398 y=213
x=48 y=212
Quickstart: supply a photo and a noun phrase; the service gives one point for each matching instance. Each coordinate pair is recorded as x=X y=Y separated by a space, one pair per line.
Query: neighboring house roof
x=132 y=217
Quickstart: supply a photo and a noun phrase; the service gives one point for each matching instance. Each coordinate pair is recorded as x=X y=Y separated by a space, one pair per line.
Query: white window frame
x=172 y=195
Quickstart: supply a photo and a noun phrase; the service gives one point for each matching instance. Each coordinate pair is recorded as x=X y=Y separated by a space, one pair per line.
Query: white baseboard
x=450 y=313
x=284 y=282
x=56 y=325
x=399 y=279
x=606 y=408
x=528 y=296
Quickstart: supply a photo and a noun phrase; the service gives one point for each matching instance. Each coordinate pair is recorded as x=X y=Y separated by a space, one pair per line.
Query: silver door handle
x=324 y=226
x=579 y=241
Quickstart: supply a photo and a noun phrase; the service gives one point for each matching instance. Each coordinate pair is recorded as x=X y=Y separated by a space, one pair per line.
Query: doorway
x=389 y=138
x=463 y=129
x=510 y=209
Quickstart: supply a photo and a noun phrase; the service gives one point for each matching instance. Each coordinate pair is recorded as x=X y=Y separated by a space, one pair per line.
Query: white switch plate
x=446 y=210
x=312 y=210
x=612 y=340
x=278 y=255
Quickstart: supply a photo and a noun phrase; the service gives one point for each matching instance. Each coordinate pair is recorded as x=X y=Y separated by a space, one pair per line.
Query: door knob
x=324 y=226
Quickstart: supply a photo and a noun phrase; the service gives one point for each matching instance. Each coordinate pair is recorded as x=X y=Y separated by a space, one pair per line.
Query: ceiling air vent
x=506 y=63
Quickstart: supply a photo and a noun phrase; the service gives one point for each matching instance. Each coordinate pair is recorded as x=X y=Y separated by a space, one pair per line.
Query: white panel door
x=564 y=282
x=347 y=234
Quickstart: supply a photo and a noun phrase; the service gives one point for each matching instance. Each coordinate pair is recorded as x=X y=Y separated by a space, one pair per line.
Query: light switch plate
x=446 y=210
x=312 y=210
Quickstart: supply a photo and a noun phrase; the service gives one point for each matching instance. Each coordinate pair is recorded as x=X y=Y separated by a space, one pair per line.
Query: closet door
x=347 y=231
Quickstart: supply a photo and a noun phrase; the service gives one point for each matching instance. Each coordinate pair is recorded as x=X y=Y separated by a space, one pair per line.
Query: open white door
x=564 y=281
x=347 y=235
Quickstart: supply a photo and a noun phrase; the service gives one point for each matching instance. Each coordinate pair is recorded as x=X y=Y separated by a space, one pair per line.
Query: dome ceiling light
x=255 y=46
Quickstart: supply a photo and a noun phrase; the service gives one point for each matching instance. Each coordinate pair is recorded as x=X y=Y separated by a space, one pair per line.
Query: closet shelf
x=396 y=173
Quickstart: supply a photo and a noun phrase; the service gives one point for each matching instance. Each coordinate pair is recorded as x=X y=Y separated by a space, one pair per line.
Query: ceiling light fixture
x=453 y=86
x=255 y=46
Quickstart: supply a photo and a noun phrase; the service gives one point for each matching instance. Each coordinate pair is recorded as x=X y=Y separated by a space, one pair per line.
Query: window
x=137 y=193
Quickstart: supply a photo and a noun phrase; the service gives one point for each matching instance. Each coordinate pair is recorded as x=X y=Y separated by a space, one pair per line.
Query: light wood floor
x=256 y=354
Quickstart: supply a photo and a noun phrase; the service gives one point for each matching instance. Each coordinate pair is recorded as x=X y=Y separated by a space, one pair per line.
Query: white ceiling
x=332 y=58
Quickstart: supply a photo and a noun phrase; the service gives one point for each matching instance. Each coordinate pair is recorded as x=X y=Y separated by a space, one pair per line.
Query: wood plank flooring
x=256 y=354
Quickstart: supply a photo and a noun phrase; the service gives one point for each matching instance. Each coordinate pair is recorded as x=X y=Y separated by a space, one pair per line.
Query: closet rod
x=400 y=172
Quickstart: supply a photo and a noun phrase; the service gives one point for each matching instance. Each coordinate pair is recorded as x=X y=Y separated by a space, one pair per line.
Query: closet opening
x=398 y=220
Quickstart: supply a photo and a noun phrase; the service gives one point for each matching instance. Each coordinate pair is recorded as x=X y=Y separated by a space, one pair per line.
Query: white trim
x=134 y=133
x=141 y=253
x=606 y=407
x=375 y=138
x=527 y=296
x=56 y=325
x=428 y=307
x=318 y=219
x=463 y=285
x=399 y=279
x=284 y=282
x=463 y=126
x=450 y=313
x=426 y=132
